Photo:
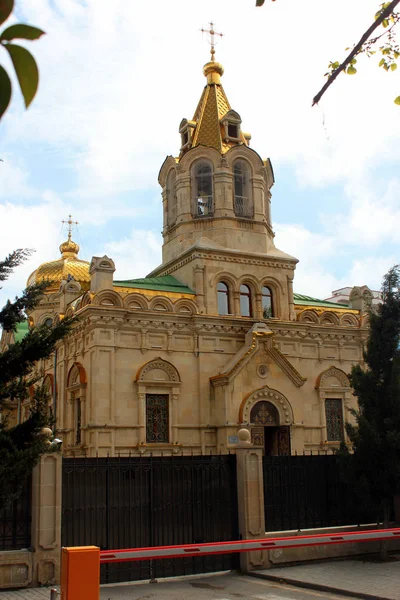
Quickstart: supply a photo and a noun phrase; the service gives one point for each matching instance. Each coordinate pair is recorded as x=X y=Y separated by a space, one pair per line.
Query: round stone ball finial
x=46 y=432
x=244 y=438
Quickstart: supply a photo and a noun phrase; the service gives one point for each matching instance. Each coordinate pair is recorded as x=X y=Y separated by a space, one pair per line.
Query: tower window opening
x=185 y=138
x=233 y=130
x=245 y=301
x=203 y=191
x=223 y=299
x=242 y=200
x=267 y=303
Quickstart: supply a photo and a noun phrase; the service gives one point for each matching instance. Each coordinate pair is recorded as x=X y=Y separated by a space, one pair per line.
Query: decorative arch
x=169 y=162
x=86 y=299
x=76 y=404
x=275 y=398
x=158 y=387
x=185 y=306
x=348 y=320
x=161 y=303
x=329 y=318
x=335 y=393
x=228 y=278
x=135 y=301
x=76 y=375
x=148 y=371
x=108 y=298
x=245 y=153
x=308 y=316
x=48 y=383
x=198 y=153
x=332 y=377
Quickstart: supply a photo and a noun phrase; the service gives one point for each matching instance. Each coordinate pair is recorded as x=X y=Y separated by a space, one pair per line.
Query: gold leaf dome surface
x=56 y=271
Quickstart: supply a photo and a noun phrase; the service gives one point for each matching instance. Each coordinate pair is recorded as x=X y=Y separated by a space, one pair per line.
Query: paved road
x=215 y=587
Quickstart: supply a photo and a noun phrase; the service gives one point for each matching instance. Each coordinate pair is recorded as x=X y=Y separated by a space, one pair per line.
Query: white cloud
x=136 y=255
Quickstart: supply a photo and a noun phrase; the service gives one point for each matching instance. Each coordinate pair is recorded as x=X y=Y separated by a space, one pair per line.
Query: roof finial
x=70 y=223
x=212 y=39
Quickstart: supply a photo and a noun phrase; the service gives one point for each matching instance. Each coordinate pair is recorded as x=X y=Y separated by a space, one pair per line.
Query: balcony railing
x=243 y=207
x=203 y=207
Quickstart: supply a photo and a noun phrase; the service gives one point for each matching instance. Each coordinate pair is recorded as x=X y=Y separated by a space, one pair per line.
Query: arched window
x=203 y=203
x=242 y=197
x=267 y=303
x=171 y=197
x=223 y=298
x=245 y=301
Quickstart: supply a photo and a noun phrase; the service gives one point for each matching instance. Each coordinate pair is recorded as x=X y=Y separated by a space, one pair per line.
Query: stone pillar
x=250 y=500
x=101 y=274
x=46 y=519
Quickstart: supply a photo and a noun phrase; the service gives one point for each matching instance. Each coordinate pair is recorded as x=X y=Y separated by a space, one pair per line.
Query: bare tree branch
x=384 y=14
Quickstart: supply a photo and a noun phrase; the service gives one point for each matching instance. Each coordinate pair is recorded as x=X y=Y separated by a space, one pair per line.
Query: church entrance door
x=266 y=431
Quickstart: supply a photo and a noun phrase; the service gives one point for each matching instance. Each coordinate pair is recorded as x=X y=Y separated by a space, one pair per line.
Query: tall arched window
x=203 y=203
x=242 y=197
x=267 y=303
x=223 y=298
x=245 y=301
x=171 y=197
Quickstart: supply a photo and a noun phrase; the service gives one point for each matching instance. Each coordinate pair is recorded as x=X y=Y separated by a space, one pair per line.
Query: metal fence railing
x=15 y=521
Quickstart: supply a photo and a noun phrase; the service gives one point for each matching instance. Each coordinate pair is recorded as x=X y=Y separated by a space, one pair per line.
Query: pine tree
x=22 y=445
x=375 y=464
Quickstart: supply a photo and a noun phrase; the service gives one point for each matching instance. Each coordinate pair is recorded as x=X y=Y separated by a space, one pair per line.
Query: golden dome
x=58 y=270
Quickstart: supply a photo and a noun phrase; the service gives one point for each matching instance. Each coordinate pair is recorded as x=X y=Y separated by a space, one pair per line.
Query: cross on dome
x=212 y=33
x=70 y=223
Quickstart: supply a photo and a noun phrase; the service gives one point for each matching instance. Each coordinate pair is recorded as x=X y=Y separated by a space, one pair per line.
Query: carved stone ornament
x=274 y=397
x=159 y=363
x=335 y=373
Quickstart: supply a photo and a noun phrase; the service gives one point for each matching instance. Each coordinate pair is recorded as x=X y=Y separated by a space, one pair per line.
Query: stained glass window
x=334 y=419
x=157 y=418
x=264 y=413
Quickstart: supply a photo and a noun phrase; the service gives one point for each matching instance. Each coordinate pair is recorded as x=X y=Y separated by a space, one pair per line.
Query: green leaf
x=385 y=22
x=5 y=91
x=26 y=70
x=6 y=7
x=26 y=32
x=393 y=66
x=351 y=70
x=353 y=61
x=397 y=100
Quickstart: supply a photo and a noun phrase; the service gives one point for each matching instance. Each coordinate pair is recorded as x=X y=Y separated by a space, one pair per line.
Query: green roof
x=302 y=300
x=164 y=283
x=22 y=330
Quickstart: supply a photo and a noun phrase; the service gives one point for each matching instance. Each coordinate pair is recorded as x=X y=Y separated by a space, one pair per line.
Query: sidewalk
x=361 y=578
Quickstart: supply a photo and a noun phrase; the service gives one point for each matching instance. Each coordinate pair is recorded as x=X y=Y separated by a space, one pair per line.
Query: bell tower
x=216 y=203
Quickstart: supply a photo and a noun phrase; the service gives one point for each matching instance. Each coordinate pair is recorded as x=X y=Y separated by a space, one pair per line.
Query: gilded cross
x=212 y=33
x=70 y=223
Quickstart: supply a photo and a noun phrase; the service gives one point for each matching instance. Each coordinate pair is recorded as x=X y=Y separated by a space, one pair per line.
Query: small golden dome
x=69 y=246
x=58 y=270
x=213 y=71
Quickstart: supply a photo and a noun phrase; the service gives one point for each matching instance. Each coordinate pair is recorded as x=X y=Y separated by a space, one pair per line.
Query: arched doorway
x=266 y=430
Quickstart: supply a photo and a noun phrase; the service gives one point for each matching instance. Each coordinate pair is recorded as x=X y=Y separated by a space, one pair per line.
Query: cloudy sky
x=116 y=80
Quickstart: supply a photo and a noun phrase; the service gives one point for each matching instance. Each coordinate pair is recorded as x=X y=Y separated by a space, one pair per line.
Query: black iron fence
x=125 y=502
x=15 y=521
x=303 y=492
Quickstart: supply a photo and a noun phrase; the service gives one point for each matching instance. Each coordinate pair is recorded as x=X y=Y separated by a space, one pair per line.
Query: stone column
x=250 y=500
x=46 y=519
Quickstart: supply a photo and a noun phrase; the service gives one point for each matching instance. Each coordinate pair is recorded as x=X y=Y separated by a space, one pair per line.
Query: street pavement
x=213 y=587
x=229 y=586
x=365 y=576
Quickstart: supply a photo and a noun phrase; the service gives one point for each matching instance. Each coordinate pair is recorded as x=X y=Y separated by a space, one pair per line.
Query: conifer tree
x=375 y=465
x=22 y=445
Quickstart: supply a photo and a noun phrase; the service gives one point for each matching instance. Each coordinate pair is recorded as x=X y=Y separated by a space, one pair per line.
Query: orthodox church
x=213 y=339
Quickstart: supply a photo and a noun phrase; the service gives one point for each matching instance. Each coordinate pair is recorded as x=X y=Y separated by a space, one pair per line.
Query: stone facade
x=214 y=339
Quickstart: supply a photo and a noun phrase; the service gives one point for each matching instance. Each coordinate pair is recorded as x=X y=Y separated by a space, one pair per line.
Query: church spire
x=214 y=123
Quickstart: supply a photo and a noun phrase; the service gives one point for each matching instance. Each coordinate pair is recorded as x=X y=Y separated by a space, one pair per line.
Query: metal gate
x=125 y=502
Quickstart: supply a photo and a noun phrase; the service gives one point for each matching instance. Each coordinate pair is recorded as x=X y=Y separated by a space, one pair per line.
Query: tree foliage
x=385 y=44
x=22 y=445
x=23 y=62
x=374 y=467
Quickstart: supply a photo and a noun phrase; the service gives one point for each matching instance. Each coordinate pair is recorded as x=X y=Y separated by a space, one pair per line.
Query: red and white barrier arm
x=132 y=554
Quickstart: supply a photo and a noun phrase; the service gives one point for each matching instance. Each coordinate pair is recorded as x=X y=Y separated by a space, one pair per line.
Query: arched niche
x=335 y=394
x=158 y=388
x=269 y=416
x=108 y=298
x=76 y=417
